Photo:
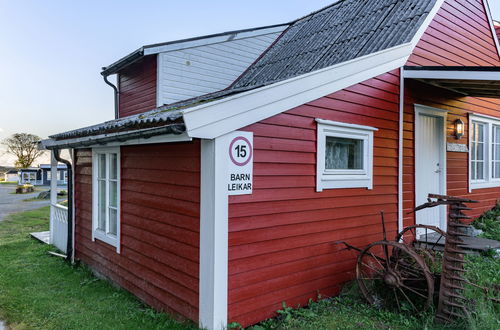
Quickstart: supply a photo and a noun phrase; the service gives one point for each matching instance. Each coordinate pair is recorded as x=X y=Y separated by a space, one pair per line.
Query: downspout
x=69 y=246
x=115 y=89
x=400 y=147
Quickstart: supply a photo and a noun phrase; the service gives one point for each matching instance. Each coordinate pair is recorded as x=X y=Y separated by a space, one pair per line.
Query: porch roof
x=465 y=80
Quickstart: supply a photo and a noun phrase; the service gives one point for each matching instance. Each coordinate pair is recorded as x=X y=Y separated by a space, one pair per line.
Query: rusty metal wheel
x=428 y=241
x=393 y=276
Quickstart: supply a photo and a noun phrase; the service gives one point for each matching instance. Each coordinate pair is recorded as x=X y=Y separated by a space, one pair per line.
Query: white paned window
x=106 y=195
x=484 y=154
x=495 y=161
x=49 y=175
x=477 y=155
x=344 y=155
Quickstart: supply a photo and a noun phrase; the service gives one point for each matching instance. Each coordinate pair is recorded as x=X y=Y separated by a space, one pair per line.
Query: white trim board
x=223 y=116
x=150 y=50
x=93 y=141
x=213 y=292
x=452 y=75
x=492 y=25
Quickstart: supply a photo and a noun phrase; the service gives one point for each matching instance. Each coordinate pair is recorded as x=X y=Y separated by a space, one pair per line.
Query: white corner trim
x=223 y=116
x=486 y=4
x=401 y=148
x=452 y=75
x=213 y=292
x=150 y=50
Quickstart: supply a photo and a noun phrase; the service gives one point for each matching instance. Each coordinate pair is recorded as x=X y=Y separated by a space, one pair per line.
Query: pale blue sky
x=51 y=51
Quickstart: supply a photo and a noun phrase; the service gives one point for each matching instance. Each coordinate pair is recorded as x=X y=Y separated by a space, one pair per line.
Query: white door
x=430 y=164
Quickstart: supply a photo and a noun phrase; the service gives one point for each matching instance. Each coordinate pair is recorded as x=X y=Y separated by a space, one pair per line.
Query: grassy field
x=38 y=291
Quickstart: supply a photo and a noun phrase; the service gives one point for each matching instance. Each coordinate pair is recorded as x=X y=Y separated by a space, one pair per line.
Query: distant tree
x=24 y=146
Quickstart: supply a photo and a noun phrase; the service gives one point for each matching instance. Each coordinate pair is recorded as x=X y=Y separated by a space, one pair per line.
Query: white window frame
x=333 y=179
x=488 y=181
x=49 y=175
x=97 y=233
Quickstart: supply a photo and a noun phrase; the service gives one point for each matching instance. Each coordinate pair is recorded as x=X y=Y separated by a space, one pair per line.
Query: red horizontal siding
x=281 y=237
x=457 y=163
x=497 y=29
x=459 y=35
x=137 y=86
x=159 y=259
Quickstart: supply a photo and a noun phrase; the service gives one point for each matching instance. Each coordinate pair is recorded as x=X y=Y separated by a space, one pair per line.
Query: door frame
x=439 y=113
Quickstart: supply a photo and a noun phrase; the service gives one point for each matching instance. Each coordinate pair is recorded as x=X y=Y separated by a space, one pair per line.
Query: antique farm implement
x=413 y=272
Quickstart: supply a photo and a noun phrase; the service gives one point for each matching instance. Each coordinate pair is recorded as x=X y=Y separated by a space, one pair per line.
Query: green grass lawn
x=38 y=291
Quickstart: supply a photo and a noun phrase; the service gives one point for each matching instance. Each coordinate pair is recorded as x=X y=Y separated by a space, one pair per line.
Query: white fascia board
x=492 y=25
x=93 y=141
x=211 y=40
x=220 y=117
x=452 y=75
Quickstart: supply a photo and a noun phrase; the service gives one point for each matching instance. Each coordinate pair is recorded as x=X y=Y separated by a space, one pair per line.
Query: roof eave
x=169 y=133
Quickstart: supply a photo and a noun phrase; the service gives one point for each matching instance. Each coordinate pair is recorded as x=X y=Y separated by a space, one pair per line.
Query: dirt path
x=13 y=203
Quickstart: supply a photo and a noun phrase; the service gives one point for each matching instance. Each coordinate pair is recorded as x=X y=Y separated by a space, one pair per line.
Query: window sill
x=111 y=240
x=483 y=185
x=327 y=182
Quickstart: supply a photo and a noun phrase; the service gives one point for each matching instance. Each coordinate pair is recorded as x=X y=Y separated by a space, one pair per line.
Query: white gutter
x=401 y=148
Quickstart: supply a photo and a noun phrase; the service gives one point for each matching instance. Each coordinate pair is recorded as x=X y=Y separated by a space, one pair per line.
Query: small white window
x=49 y=175
x=477 y=156
x=484 y=154
x=344 y=155
x=106 y=195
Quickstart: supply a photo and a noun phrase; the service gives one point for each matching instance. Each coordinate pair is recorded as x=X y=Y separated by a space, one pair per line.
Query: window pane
x=480 y=171
x=113 y=193
x=496 y=134
x=112 y=221
x=473 y=171
x=101 y=166
x=343 y=153
x=113 y=166
x=480 y=151
x=101 y=222
x=480 y=132
x=496 y=152
x=496 y=170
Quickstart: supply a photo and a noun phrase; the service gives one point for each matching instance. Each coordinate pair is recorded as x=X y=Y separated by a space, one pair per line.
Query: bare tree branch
x=24 y=146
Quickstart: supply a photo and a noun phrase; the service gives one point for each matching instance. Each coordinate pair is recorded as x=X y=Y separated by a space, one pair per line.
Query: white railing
x=59 y=226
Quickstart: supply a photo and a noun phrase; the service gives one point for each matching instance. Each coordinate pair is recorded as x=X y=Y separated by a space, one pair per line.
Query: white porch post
x=53 y=193
x=213 y=292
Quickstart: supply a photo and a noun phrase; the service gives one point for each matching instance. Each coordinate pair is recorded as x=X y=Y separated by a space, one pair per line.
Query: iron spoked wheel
x=393 y=276
x=427 y=244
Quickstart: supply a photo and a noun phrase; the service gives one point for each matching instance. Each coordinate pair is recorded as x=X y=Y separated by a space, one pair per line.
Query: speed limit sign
x=240 y=151
x=240 y=163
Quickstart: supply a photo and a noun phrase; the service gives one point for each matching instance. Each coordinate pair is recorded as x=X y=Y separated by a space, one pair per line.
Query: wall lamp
x=459 y=129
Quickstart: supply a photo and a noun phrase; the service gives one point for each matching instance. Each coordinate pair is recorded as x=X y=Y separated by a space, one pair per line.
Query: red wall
x=460 y=34
x=159 y=259
x=137 y=86
x=281 y=237
x=497 y=28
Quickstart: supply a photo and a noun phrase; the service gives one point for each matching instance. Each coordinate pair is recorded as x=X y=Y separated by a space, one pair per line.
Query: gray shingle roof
x=168 y=115
x=343 y=31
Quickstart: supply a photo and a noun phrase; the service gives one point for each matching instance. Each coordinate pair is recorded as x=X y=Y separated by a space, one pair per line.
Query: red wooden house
x=237 y=159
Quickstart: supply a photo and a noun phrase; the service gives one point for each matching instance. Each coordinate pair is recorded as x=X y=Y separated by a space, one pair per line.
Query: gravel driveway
x=13 y=203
